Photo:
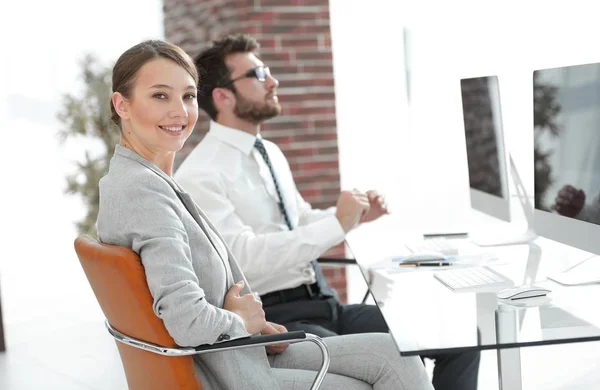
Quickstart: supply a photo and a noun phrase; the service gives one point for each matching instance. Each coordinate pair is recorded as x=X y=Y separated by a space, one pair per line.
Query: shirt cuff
x=328 y=232
x=237 y=330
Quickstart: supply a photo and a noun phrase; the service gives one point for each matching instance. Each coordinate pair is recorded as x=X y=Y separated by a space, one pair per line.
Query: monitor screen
x=567 y=141
x=483 y=134
x=485 y=146
x=566 y=111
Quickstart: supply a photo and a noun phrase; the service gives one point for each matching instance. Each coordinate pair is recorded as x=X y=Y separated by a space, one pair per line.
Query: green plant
x=87 y=116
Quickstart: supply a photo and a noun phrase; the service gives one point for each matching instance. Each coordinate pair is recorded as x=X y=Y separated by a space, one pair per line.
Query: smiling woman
x=154 y=100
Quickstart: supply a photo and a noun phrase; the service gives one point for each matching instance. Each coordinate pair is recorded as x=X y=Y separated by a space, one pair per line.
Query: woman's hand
x=273 y=328
x=247 y=307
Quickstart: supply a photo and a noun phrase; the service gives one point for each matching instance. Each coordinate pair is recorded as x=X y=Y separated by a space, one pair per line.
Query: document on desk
x=586 y=272
x=398 y=264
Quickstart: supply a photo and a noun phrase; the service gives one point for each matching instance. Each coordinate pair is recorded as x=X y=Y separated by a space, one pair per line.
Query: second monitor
x=488 y=163
x=484 y=138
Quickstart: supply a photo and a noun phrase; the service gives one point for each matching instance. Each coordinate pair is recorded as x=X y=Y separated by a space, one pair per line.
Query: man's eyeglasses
x=260 y=73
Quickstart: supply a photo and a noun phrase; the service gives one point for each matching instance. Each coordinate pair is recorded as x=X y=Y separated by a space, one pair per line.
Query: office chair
x=150 y=357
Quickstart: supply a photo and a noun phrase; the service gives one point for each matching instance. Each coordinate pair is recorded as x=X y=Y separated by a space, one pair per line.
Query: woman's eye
x=190 y=96
x=160 y=96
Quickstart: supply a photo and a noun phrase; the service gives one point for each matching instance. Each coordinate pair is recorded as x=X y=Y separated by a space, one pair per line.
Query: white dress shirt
x=228 y=178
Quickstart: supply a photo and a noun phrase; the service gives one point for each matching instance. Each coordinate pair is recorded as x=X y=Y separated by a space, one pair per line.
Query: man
x=245 y=186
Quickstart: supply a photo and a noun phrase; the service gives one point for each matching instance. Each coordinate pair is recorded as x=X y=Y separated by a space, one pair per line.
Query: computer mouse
x=523 y=292
x=423 y=256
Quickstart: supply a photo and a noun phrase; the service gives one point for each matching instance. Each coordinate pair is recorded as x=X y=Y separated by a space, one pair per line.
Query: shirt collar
x=237 y=138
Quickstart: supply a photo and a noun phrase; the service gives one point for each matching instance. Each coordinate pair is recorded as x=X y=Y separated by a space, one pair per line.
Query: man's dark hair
x=213 y=71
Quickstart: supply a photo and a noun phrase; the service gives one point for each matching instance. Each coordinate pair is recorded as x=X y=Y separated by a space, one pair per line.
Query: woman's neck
x=164 y=161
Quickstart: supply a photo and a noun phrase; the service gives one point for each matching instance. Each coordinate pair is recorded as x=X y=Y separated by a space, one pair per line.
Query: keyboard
x=473 y=279
x=438 y=244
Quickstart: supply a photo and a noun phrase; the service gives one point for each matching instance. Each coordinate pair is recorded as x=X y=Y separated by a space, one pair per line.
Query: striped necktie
x=325 y=290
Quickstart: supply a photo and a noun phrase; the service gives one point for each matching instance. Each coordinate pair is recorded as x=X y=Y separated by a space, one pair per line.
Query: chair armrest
x=246 y=342
x=255 y=341
x=336 y=260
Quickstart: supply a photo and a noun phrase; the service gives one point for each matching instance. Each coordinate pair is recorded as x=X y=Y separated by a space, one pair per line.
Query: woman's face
x=162 y=109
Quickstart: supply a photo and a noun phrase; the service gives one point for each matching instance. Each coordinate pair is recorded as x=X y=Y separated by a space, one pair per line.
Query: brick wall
x=296 y=44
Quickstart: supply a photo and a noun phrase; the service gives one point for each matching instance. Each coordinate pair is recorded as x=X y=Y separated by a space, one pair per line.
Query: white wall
x=42 y=43
x=422 y=168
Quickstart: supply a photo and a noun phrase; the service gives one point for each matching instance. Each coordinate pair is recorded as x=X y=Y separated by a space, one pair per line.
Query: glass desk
x=426 y=317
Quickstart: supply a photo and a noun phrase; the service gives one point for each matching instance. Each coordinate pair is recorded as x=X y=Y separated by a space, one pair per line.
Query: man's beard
x=254 y=112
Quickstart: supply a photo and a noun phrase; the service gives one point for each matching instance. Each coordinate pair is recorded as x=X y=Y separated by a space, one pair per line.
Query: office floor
x=56 y=340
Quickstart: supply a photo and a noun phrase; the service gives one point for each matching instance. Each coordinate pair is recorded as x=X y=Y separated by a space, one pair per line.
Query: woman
x=191 y=273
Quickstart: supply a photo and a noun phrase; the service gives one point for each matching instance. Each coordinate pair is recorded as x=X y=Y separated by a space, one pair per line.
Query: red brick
x=280 y=28
x=304 y=111
x=320 y=136
x=311 y=82
x=293 y=17
x=325 y=41
x=291 y=153
x=316 y=55
x=290 y=3
x=327 y=69
x=286 y=124
x=261 y=16
x=303 y=164
x=303 y=98
x=325 y=123
x=283 y=69
x=284 y=56
x=268 y=42
x=311 y=179
x=303 y=41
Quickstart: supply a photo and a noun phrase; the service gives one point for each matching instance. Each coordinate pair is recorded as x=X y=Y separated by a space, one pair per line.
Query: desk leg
x=2 y=345
x=509 y=360
x=509 y=369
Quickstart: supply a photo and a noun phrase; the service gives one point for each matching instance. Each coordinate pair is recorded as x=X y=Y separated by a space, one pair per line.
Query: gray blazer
x=187 y=269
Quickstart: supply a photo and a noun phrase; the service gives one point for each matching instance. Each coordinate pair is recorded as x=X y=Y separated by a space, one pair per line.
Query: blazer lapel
x=187 y=201
x=199 y=217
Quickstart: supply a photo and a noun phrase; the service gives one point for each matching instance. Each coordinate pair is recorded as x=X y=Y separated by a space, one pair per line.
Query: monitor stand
x=512 y=238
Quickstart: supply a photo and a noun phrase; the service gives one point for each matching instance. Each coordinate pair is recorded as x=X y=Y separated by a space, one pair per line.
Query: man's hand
x=273 y=328
x=351 y=206
x=569 y=201
x=377 y=208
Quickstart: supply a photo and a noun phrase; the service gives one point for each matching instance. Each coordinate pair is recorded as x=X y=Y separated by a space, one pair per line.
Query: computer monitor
x=484 y=138
x=567 y=155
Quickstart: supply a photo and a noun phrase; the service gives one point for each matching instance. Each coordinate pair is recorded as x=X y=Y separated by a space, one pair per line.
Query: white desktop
x=567 y=166
x=487 y=158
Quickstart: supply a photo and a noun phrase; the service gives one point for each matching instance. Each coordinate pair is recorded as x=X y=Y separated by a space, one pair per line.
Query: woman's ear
x=121 y=105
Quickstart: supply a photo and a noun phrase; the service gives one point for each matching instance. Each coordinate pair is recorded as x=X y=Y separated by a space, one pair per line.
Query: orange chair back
x=117 y=277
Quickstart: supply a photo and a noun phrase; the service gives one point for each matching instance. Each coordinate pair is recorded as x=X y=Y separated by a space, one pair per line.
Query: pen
x=457 y=234
x=428 y=264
